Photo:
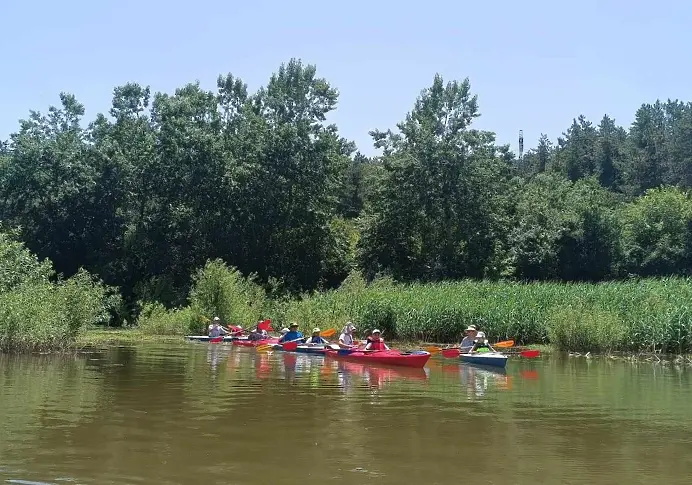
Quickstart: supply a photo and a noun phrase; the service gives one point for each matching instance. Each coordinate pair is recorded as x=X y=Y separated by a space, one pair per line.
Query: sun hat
x=293 y=324
x=471 y=328
x=217 y=319
x=316 y=330
x=376 y=331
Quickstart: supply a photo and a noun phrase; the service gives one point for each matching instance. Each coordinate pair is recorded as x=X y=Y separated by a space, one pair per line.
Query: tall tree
x=437 y=215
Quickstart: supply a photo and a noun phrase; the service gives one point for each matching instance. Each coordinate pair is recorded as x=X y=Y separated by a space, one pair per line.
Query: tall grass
x=644 y=315
x=637 y=315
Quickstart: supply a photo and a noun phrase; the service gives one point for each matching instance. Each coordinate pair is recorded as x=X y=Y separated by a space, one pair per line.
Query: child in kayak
x=215 y=329
x=292 y=334
x=346 y=338
x=376 y=342
x=316 y=338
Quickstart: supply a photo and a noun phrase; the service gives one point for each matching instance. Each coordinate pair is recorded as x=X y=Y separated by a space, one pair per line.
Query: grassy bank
x=639 y=316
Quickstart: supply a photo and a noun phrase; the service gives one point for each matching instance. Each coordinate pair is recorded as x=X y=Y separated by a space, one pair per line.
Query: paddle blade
x=290 y=346
x=264 y=347
x=432 y=350
x=328 y=333
x=451 y=353
x=505 y=344
x=265 y=325
x=530 y=353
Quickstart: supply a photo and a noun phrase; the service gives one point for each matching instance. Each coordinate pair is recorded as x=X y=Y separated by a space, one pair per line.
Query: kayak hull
x=302 y=349
x=491 y=359
x=386 y=357
x=206 y=338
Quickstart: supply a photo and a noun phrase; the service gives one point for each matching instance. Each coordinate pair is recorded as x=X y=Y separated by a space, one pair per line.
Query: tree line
x=144 y=196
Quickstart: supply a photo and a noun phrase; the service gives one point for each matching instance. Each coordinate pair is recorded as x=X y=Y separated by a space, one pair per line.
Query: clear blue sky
x=535 y=65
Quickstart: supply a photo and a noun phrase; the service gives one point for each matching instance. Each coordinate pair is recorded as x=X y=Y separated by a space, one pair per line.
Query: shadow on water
x=206 y=413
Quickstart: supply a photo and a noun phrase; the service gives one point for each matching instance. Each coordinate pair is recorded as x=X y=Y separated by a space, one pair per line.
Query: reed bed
x=643 y=316
x=650 y=315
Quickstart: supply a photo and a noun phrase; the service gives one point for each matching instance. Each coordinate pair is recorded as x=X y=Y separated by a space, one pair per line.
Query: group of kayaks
x=414 y=358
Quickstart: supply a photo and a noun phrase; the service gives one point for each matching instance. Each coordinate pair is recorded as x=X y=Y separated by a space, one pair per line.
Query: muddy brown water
x=198 y=413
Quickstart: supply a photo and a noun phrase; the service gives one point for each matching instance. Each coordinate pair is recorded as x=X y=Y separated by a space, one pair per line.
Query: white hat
x=284 y=330
x=376 y=331
x=471 y=328
x=217 y=319
x=316 y=330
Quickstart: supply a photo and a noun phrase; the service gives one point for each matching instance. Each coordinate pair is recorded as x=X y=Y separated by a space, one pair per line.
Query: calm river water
x=199 y=413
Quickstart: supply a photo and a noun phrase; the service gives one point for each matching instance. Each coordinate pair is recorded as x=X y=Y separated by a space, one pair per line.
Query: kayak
x=388 y=357
x=303 y=349
x=245 y=342
x=206 y=338
x=493 y=359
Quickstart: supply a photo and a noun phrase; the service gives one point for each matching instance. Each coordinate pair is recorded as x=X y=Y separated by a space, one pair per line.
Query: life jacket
x=377 y=344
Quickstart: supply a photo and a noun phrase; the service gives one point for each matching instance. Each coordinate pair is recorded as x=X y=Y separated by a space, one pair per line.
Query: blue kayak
x=492 y=359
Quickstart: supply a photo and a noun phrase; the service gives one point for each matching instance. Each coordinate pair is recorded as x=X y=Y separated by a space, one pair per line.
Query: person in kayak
x=215 y=328
x=255 y=335
x=346 y=338
x=292 y=335
x=316 y=338
x=376 y=342
x=473 y=339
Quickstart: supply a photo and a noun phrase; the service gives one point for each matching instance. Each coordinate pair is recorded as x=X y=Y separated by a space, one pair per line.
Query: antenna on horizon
x=521 y=145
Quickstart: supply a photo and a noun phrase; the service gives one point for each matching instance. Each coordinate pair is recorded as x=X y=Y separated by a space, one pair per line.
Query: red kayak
x=254 y=343
x=388 y=357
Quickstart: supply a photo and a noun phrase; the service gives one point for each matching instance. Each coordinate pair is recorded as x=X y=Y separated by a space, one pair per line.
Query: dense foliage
x=145 y=197
x=39 y=314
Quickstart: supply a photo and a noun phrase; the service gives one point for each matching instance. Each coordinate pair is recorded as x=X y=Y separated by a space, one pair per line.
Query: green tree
x=439 y=210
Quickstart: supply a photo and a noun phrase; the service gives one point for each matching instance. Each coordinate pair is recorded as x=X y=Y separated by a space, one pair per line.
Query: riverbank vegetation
x=638 y=315
x=443 y=224
x=39 y=312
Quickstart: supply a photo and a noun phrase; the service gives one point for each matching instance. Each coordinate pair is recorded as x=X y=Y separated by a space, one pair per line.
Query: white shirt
x=346 y=338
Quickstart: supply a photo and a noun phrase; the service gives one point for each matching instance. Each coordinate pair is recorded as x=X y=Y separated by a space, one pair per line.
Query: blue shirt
x=291 y=335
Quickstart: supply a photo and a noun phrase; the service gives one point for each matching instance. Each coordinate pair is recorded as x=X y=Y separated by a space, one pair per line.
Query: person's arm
x=368 y=345
x=385 y=345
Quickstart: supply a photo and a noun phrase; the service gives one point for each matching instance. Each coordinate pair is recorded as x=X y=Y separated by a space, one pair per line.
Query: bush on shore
x=38 y=314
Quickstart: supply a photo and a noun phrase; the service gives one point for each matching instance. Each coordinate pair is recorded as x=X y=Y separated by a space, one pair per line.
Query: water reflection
x=217 y=414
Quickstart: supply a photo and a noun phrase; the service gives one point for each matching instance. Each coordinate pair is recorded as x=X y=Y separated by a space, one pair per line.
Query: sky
x=535 y=65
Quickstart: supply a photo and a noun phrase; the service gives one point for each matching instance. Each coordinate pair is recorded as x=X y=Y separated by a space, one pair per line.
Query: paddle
x=454 y=353
x=504 y=344
x=216 y=340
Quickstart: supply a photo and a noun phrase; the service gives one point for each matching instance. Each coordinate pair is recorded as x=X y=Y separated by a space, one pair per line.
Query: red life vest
x=377 y=344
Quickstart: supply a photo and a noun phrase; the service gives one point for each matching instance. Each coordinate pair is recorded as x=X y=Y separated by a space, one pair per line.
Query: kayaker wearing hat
x=292 y=334
x=316 y=338
x=471 y=340
x=215 y=328
x=376 y=342
x=346 y=338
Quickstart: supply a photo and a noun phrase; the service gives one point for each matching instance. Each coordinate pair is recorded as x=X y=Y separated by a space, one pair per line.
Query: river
x=198 y=413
